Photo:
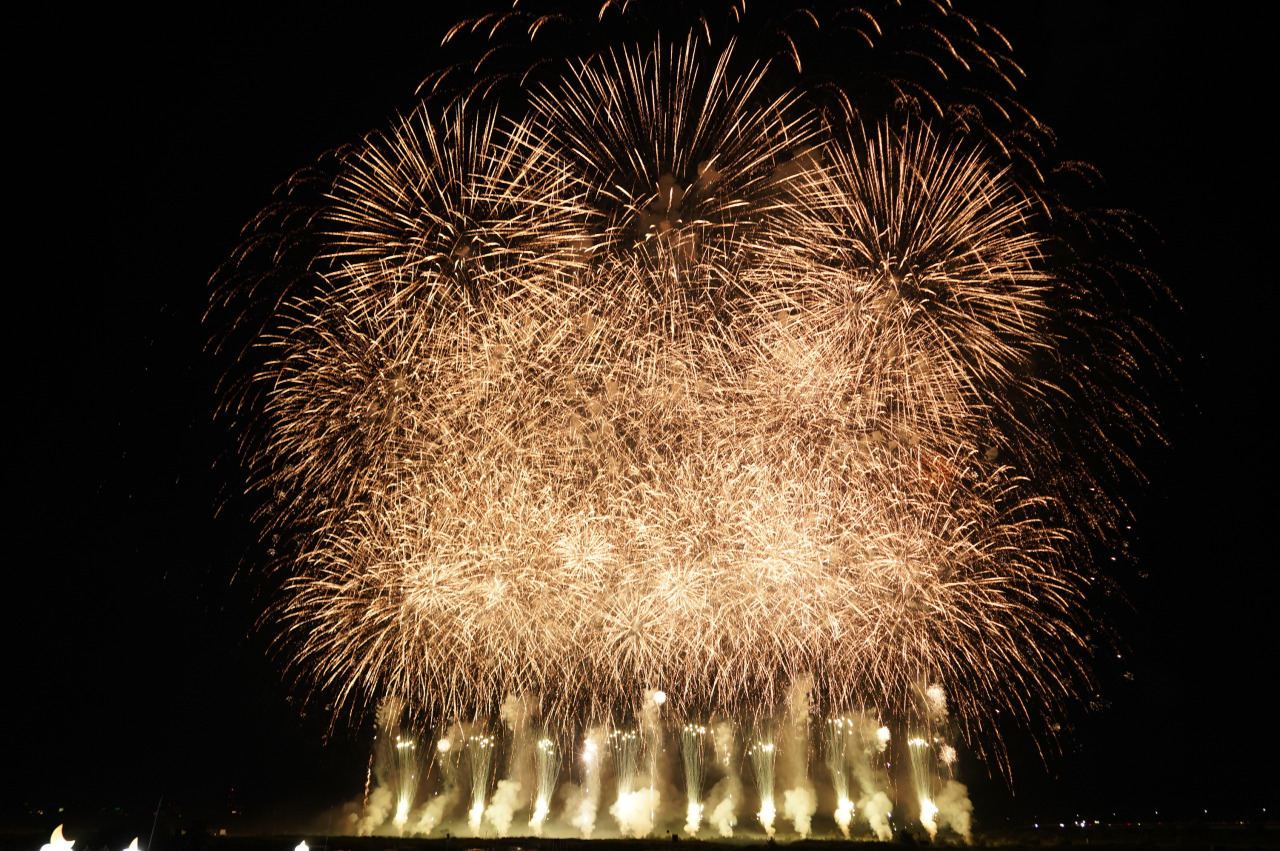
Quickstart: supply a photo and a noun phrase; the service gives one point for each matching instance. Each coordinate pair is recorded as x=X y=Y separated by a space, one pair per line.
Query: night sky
x=136 y=670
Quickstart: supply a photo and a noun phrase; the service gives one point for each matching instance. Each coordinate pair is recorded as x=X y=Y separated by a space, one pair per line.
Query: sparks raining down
x=672 y=367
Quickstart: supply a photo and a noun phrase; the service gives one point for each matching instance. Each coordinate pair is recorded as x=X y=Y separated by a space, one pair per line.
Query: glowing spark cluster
x=661 y=375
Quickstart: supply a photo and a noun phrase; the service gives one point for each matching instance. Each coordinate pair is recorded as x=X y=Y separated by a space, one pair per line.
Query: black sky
x=145 y=147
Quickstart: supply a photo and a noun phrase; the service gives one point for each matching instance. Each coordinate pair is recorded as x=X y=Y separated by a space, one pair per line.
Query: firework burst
x=671 y=375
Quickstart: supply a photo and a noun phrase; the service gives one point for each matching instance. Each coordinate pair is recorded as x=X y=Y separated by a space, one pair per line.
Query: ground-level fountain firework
x=634 y=776
x=672 y=371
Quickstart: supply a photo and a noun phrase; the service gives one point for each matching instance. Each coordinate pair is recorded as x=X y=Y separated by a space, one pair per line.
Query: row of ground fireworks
x=485 y=783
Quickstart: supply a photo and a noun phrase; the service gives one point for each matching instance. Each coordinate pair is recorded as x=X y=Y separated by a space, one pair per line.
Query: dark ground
x=1207 y=836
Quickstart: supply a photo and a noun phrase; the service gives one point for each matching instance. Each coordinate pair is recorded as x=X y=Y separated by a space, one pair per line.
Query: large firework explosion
x=671 y=361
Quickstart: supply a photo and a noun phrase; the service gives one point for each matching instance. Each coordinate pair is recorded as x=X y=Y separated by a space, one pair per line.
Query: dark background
x=135 y=672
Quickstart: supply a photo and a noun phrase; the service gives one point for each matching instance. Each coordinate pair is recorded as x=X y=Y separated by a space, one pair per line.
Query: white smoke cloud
x=799 y=801
x=955 y=810
x=874 y=805
x=581 y=807
x=799 y=805
x=582 y=803
x=722 y=803
x=726 y=795
x=433 y=812
x=512 y=792
x=876 y=809
x=381 y=802
x=507 y=798
x=634 y=812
